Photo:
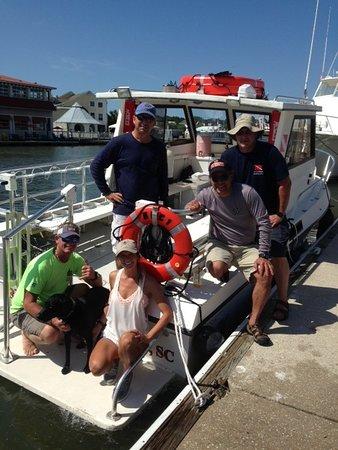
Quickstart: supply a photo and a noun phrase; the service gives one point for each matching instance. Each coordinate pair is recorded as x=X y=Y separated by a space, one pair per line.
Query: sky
x=81 y=45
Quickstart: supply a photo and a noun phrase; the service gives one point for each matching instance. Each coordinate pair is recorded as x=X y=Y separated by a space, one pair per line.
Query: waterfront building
x=26 y=110
x=97 y=108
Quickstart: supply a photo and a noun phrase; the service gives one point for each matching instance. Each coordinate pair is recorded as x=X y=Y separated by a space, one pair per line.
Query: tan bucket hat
x=247 y=121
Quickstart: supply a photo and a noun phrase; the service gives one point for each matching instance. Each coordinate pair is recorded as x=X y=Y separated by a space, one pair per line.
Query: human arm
x=90 y=276
x=284 y=189
x=258 y=211
x=97 y=168
x=163 y=177
x=33 y=308
x=193 y=206
x=154 y=291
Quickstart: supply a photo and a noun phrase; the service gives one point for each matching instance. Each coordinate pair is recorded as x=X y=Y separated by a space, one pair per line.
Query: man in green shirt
x=48 y=274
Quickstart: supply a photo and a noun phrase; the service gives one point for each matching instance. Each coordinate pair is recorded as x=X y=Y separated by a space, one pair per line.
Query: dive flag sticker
x=258 y=169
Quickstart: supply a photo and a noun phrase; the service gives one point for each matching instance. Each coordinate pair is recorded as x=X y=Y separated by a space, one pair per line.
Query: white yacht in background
x=197 y=298
x=326 y=96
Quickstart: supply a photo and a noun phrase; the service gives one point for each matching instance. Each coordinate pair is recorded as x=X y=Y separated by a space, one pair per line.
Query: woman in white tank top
x=126 y=334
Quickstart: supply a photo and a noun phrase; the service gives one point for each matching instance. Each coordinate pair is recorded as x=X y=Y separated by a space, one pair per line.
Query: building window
x=100 y=116
x=93 y=115
x=19 y=91
x=21 y=123
x=4 y=122
x=37 y=94
x=100 y=104
x=4 y=89
x=92 y=103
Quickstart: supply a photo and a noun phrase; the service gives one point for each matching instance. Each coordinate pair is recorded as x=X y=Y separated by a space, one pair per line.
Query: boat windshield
x=327 y=89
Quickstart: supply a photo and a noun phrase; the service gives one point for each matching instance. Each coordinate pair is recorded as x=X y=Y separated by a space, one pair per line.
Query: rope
x=200 y=398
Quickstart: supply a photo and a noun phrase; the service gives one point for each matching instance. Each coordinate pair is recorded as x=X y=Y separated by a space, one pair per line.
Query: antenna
x=327 y=34
x=310 y=54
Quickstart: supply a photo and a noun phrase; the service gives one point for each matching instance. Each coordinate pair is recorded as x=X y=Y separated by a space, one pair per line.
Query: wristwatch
x=265 y=255
x=280 y=214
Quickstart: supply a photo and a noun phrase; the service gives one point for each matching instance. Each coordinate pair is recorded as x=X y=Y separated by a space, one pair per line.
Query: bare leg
x=130 y=348
x=31 y=342
x=218 y=269
x=260 y=295
x=103 y=356
x=281 y=271
x=29 y=348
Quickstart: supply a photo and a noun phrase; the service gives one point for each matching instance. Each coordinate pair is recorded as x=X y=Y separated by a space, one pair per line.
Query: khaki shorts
x=241 y=256
x=27 y=323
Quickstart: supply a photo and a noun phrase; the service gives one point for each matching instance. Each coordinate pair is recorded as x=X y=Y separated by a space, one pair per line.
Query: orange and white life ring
x=138 y=220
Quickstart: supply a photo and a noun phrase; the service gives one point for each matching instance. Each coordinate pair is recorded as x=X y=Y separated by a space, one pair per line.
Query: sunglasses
x=70 y=239
x=220 y=179
x=144 y=118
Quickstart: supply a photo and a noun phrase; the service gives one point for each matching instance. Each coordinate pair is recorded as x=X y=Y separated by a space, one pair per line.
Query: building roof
x=77 y=114
x=69 y=98
x=5 y=79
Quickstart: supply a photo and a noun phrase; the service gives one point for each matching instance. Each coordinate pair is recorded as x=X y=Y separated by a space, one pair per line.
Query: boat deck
x=285 y=396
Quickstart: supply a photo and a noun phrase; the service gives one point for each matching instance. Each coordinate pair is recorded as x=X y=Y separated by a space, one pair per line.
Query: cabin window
x=213 y=123
x=171 y=125
x=261 y=121
x=300 y=145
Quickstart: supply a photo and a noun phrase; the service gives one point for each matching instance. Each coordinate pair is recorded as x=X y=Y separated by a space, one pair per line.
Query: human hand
x=115 y=197
x=193 y=206
x=60 y=325
x=263 y=267
x=275 y=220
x=87 y=272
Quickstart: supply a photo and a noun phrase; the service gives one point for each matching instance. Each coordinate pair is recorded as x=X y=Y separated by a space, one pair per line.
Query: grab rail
x=113 y=414
x=68 y=194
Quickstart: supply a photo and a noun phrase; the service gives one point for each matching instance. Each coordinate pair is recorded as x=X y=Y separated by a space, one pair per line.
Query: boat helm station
x=194 y=127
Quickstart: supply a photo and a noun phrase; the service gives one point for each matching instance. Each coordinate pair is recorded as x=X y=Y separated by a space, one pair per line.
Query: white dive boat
x=291 y=126
x=326 y=96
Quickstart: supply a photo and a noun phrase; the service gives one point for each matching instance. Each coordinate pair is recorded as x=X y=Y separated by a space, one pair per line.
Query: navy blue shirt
x=141 y=171
x=262 y=169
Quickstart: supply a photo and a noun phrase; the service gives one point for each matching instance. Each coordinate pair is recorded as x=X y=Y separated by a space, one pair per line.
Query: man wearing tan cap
x=261 y=165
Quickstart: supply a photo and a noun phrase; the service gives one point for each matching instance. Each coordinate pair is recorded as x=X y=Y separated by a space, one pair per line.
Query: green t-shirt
x=45 y=276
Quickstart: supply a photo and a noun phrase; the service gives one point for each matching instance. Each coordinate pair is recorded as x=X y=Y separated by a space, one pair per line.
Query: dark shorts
x=27 y=323
x=279 y=239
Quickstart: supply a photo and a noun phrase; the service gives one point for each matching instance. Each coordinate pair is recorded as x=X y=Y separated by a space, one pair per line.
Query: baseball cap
x=126 y=245
x=245 y=121
x=68 y=229
x=219 y=168
x=146 y=108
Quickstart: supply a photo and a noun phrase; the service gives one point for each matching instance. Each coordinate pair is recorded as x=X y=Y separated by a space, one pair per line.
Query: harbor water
x=30 y=422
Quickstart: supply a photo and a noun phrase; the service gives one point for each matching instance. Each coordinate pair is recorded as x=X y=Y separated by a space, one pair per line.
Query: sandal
x=259 y=336
x=281 y=311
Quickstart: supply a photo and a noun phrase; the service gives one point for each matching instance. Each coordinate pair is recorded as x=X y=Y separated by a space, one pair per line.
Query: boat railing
x=326 y=123
x=289 y=99
x=113 y=414
x=328 y=164
x=26 y=188
x=12 y=253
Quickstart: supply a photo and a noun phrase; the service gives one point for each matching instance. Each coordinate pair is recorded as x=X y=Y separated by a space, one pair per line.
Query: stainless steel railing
x=68 y=194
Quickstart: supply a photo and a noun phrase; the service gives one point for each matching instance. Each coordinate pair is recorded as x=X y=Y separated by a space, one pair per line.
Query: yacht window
x=261 y=120
x=171 y=125
x=300 y=143
x=325 y=89
x=212 y=122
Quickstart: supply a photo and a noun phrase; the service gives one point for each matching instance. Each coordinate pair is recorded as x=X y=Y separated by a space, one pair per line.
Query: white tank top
x=125 y=314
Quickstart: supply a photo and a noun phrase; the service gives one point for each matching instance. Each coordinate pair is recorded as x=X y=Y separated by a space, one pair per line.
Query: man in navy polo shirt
x=140 y=167
x=261 y=165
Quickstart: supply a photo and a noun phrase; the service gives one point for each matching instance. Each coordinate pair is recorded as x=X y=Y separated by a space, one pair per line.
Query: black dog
x=80 y=314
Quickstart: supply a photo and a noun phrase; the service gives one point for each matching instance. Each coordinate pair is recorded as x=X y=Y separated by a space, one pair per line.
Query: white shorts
x=118 y=220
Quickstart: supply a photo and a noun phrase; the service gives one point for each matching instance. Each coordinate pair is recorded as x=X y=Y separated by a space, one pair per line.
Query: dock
x=284 y=396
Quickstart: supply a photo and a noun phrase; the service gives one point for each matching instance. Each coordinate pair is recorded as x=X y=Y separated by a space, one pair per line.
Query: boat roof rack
x=289 y=99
